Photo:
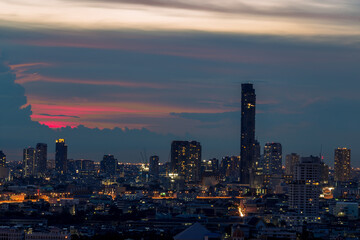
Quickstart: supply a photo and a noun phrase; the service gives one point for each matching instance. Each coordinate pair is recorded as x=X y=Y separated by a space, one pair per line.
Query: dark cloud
x=59 y=115
x=307 y=90
x=18 y=131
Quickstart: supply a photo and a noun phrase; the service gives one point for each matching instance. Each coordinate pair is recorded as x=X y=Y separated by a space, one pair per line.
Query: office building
x=248 y=100
x=211 y=165
x=4 y=171
x=342 y=164
x=257 y=155
x=272 y=159
x=290 y=161
x=81 y=166
x=41 y=159
x=229 y=168
x=305 y=187
x=109 y=165
x=324 y=173
x=154 y=166
x=257 y=177
x=186 y=160
x=29 y=157
x=61 y=160
x=2 y=159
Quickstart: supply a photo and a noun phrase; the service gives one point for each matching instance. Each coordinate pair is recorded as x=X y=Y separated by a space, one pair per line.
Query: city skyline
x=145 y=85
x=179 y=119
x=52 y=154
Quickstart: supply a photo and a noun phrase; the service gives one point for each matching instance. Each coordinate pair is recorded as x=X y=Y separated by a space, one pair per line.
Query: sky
x=123 y=77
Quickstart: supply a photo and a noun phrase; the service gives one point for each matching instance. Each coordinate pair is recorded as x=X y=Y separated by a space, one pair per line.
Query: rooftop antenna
x=321 y=152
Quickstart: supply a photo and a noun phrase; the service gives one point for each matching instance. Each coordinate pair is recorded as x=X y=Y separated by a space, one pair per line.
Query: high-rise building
x=257 y=178
x=4 y=171
x=273 y=159
x=211 y=165
x=41 y=159
x=229 y=167
x=186 y=160
x=61 y=160
x=290 y=162
x=324 y=173
x=109 y=164
x=257 y=155
x=209 y=169
x=305 y=187
x=29 y=158
x=81 y=166
x=342 y=164
x=154 y=166
x=2 y=159
x=248 y=100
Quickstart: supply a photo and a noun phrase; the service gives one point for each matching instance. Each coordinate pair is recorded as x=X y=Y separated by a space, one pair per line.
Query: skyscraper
x=109 y=164
x=257 y=176
x=2 y=159
x=342 y=164
x=248 y=99
x=290 y=162
x=29 y=161
x=305 y=188
x=41 y=158
x=61 y=156
x=186 y=160
x=273 y=159
x=154 y=166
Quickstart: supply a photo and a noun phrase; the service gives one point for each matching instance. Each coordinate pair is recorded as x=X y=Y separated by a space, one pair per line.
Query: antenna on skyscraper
x=320 y=152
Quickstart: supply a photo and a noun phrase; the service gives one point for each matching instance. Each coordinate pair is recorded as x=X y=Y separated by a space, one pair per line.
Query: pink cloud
x=57 y=124
x=79 y=110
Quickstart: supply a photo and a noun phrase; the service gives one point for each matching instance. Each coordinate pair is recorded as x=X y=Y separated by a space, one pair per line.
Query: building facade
x=342 y=164
x=154 y=166
x=29 y=165
x=229 y=167
x=272 y=159
x=2 y=159
x=41 y=159
x=109 y=164
x=290 y=161
x=186 y=160
x=61 y=151
x=305 y=188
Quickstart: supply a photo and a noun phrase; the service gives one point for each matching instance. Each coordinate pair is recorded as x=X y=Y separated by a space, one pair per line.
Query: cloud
x=296 y=81
x=18 y=131
x=60 y=115
x=260 y=17
x=327 y=10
